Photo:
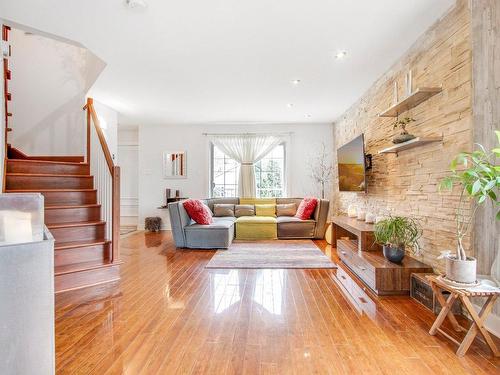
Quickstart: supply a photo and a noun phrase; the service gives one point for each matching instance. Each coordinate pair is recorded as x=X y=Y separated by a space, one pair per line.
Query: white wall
x=128 y=160
x=49 y=81
x=154 y=140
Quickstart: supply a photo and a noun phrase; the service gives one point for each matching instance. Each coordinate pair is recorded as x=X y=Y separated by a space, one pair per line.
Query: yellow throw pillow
x=265 y=210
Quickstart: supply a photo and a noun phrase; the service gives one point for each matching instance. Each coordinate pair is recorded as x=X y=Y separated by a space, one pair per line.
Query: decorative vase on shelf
x=361 y=215
x=352 y=211
x=370 y=218
x=403 y=137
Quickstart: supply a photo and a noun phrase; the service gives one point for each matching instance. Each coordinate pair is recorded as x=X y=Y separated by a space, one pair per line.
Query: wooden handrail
x=90 y=110
x=114 y=171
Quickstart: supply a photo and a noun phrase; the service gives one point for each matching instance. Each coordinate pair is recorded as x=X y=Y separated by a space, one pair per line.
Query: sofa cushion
x=293 y=227
x=265 y=210
x=254 y=201
x=216 y=224
x=210 y=202
x=244 y=210
x=223 y=209
x=218 y=234
x=306 y=208
x=256 y=228
x=232 y=219
x=257 y=220
x=198 y=211
x=286 y=209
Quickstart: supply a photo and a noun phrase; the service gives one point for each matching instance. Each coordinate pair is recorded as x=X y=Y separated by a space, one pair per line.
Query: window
x=269 y=174
x=224 y=175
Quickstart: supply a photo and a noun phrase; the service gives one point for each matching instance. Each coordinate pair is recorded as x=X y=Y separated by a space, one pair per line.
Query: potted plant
x=396 y=234
x=479 y=182
x=404 y=136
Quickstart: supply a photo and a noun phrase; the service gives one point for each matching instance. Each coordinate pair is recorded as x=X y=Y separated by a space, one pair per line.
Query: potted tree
x=397 y=234
x=479 y=182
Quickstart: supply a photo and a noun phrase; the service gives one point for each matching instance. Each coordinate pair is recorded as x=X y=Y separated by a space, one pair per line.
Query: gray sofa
x=220 y=234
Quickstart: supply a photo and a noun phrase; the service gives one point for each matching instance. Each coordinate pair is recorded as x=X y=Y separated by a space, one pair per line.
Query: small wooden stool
x=477 y=319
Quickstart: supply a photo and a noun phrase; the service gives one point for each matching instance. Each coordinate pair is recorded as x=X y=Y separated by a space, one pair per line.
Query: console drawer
x=358 y=265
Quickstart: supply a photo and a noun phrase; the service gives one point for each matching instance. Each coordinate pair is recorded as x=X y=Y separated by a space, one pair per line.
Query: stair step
x=66 y=213
x=72 y=252
x=85 y=274
x=57 y=197
x=47 y=167
x=82 y=266
x=59 y=245
x=78 y=231
x=48 y=181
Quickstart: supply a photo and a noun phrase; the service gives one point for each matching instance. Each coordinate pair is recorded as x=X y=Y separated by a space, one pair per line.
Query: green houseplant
x=479 y=181
x=396 y=234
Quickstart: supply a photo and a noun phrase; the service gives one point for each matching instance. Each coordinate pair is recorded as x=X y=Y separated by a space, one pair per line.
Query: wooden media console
x=356 y=248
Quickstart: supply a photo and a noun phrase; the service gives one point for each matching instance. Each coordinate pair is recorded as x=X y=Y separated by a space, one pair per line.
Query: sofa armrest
x=321 y=216
x=179 y=219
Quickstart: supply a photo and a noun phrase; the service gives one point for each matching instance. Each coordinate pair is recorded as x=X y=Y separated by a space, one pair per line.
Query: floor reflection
x=268 y=291
x=225 y=289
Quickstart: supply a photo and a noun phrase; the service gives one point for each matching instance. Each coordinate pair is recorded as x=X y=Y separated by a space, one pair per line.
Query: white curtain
x=246 y=149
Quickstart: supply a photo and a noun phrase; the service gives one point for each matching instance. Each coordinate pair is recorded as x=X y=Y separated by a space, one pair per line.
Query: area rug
x=271 y=254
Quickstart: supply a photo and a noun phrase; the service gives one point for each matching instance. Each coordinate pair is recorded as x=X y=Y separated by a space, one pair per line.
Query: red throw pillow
x=198 y=211
x=306 y=208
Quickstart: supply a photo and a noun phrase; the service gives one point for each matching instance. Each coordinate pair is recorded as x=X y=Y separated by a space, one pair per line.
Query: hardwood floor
x=170 y=315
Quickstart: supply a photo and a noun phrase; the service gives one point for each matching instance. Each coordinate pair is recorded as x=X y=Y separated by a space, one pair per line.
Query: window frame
x=212 y=174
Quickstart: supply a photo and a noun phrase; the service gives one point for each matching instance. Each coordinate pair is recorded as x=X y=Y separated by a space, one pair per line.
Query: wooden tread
x=82 y=266
x=76 y=244
x=59 y=207
x=55 y=162
x=75 y=224
x=48 y=190
x=48 y=175
x=63 y=197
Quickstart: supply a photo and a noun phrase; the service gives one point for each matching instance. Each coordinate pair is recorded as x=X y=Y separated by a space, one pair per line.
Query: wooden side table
x=477 y=319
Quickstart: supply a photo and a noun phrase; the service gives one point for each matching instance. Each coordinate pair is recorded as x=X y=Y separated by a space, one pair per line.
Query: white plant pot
x=461 y=271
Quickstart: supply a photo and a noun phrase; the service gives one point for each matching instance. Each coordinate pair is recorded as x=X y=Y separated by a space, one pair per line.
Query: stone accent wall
x=407 y=184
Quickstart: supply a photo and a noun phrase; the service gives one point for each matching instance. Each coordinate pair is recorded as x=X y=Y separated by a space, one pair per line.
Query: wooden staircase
x=82 y=208
x=83 y=254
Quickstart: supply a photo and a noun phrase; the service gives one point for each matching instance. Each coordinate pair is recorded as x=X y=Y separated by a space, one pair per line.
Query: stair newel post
x=116 y=214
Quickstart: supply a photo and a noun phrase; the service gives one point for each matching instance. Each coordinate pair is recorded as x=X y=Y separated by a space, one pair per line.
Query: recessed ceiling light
x=340 y=55
x=289 y=105
x=136 y=4
x=296 y=81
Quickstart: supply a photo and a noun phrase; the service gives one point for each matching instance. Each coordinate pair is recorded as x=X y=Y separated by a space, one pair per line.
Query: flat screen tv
x=351 y=165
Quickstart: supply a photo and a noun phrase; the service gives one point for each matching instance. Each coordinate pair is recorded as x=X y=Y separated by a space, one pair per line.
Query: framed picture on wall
x=174 y=165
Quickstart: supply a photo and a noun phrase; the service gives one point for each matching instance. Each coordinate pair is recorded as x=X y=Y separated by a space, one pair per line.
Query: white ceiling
x=232 y=61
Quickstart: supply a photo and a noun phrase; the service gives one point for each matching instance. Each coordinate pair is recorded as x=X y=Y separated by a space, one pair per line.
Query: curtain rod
x=225 y=134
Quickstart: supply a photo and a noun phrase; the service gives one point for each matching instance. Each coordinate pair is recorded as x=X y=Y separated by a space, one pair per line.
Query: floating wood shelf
x=411 y=101
x=415 y=142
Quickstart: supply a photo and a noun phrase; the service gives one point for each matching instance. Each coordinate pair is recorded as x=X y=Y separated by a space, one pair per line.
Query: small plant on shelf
x=404 y=136
x=479 y=182
x=397 y=234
